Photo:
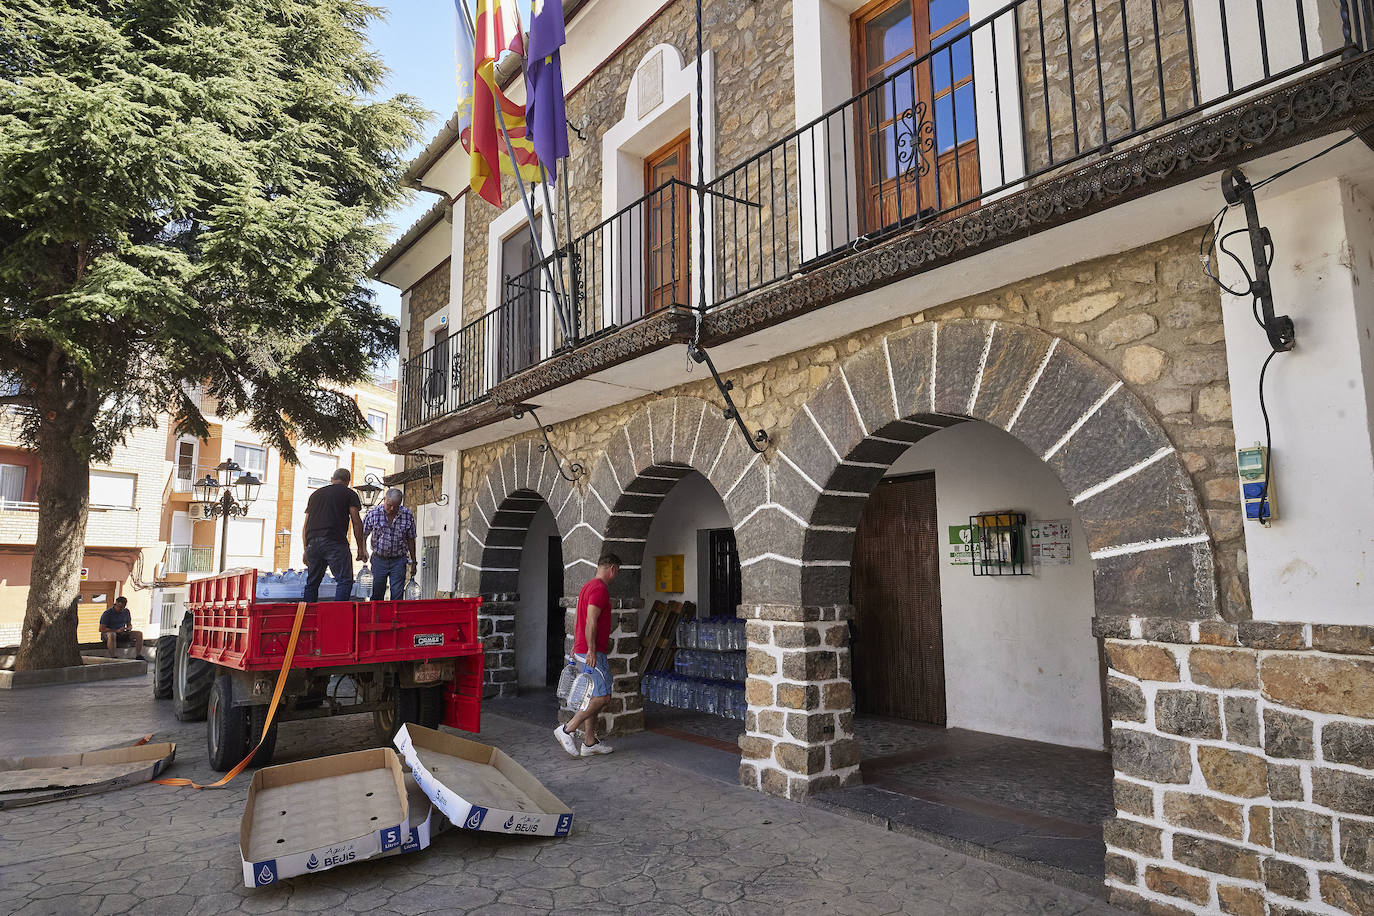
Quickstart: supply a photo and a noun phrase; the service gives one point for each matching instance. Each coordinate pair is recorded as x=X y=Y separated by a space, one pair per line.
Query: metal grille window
x=429 y=568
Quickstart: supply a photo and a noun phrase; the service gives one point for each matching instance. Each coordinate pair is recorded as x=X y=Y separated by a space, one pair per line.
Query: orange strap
x=271 y=713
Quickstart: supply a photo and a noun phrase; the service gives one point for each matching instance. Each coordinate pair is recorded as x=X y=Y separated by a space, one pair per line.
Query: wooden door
x=725 y=583
x=918 y=149
x=666 y=226
x=522 y=297
x=898 y=649
x=554 y=628
x=95 y=599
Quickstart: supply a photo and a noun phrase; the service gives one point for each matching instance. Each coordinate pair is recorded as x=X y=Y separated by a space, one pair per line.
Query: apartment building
x=988 y=458
x=268 y=535
x=122 y=540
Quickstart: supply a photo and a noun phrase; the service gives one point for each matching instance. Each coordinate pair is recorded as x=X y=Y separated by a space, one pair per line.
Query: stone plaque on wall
x=650 y=82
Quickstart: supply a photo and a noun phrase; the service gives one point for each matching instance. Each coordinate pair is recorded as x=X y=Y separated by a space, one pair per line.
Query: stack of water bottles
x=708 y=669
x=290 y=586
x=715 y=697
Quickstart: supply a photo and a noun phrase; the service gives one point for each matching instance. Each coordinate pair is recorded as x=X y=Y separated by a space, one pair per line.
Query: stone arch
x=522 y=479
x=1136 y=502
x=644 y=459
x=504 y=501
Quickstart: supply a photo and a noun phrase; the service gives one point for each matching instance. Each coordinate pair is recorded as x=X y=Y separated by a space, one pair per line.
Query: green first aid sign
x=961 y=538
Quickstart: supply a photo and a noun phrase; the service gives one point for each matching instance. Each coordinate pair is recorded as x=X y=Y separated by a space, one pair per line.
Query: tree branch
x=16 y=400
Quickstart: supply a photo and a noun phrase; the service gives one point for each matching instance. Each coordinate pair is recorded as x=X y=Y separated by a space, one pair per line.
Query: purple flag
x=546 y=120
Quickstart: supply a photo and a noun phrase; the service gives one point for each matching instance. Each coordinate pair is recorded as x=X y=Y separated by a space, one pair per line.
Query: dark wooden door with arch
x=898 y=647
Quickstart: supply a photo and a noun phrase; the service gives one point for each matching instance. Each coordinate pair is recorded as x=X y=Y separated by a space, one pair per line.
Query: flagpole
x=524 y=196
x=567 y=218
x=553 y=226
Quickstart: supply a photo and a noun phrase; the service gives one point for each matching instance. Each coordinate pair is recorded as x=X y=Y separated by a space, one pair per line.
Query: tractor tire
x=413 y=705
x=192 y=679
x=257 y=716
x=226 y=726
x=164 y=666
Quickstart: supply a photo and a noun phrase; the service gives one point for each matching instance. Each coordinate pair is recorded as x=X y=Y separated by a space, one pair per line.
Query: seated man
x=117 y=629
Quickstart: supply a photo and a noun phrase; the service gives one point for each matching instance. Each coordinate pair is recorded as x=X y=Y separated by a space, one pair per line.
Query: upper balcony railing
x=184 y=558
x=1033 y=88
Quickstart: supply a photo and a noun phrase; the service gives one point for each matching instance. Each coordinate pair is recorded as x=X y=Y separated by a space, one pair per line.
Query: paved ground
x=649 y=836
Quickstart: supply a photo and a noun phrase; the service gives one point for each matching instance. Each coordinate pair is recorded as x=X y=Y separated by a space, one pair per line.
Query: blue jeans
x=391 y=569
x=320 y=553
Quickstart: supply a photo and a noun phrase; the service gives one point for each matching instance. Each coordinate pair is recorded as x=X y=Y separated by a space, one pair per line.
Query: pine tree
x=190 y=195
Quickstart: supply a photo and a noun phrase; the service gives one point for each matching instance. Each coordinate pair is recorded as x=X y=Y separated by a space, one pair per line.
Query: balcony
x=1040 y=113
x=180 y=560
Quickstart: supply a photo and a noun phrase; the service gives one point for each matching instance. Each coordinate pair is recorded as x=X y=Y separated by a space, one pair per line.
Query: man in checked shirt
x=391 y=527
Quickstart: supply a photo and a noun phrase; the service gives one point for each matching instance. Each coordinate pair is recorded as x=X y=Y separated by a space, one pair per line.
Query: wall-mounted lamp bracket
x=575 y=470
x=758 y=441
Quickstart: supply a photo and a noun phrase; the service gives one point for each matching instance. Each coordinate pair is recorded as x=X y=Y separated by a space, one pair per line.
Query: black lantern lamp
x=206 y=489
x=369 y=490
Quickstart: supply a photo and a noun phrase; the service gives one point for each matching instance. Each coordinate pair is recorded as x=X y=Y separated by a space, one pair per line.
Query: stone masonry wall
x=1148 y=314
x=1048 y=51
x=1244 y=761
x=429 y=295
x=751 y=41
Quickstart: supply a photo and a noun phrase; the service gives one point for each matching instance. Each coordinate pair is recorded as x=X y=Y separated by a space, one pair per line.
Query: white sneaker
x=565 y=739
x=600 y=747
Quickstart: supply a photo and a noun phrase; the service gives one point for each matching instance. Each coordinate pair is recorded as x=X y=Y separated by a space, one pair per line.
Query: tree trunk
x=49 y=636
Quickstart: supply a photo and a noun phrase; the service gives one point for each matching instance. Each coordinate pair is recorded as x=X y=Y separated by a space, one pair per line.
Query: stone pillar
x=496 y=628
x=799 y=730
x=1244 y=759
x=624 y=713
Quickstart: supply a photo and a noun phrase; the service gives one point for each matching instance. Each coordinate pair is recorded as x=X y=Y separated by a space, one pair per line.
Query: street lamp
x=370 y=489
x=231 y=503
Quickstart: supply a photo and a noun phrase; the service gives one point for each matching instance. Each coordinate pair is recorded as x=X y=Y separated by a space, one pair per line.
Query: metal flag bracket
x=575 y=469
x=758 y=441
x=429 y=461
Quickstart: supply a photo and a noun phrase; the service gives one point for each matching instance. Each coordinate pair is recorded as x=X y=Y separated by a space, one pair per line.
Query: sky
x=415 y=41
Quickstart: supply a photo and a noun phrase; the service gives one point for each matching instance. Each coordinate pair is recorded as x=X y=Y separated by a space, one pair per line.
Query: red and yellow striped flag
x=497 y=30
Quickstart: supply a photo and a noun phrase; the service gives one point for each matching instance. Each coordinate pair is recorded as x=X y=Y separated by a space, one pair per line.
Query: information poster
x=1051 y=542
x=961 y=540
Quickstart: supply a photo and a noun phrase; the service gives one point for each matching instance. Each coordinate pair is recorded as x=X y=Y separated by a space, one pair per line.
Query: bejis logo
x=510 y=822
x=331 y=861
x=265 y=874
x=474 y=820
x=313 y=863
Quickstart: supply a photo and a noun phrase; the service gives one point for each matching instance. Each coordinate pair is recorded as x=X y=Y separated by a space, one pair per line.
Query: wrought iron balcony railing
x=989 y=108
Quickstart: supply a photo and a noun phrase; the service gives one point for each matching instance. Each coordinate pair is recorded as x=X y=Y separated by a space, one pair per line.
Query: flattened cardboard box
x=319 y=814
x=479 y=787
x=425 y=821
x=32 y=780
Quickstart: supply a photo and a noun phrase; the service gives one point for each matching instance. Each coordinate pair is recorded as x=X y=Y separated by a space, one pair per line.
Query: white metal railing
x=17 y=505
x=188 y=559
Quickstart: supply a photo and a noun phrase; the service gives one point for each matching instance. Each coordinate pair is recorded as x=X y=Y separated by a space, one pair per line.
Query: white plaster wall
x=692 y=505
x=1314 y=562
x=532 y=618
x=1020 y=657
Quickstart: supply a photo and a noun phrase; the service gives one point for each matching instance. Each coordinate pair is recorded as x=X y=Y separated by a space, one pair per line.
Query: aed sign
x=961 y=541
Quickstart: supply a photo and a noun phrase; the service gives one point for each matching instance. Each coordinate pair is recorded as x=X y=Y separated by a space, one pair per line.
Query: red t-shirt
x=594 y=592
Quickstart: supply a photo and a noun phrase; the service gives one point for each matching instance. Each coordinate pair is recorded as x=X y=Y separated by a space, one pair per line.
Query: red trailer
x=402 y=661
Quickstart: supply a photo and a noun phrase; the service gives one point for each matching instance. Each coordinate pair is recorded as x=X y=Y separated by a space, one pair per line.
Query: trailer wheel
x=164 y=666
x=257 y=717
x=192 y=680
x=415 y=705
x=226 y=726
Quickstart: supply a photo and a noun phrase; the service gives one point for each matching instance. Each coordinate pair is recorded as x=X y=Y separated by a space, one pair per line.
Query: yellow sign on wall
x=669 y=573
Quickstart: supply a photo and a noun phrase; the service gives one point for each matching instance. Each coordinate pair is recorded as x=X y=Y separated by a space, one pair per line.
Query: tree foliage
x=189 y=195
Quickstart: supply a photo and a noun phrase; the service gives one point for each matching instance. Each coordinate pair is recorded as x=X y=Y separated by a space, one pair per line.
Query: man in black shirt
x=327 y=517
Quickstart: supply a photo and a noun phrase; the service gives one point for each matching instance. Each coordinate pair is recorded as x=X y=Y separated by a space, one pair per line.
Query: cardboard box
x=480 y=788
x=33 y=780
x=424 y=820
x=319 y=814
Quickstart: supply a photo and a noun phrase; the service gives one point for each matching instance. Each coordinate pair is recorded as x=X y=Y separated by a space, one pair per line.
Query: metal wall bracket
x=1279 y=328
x=731 y=412
x=575 y=470
x=428 y=459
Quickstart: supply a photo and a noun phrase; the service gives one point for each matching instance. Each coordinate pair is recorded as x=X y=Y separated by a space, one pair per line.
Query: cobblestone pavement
x=648 y=837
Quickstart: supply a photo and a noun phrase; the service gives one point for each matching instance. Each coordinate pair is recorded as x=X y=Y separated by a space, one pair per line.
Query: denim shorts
x=600 y=674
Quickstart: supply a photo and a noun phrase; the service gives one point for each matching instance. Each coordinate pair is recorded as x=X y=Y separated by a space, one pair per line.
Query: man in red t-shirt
x=591 y=641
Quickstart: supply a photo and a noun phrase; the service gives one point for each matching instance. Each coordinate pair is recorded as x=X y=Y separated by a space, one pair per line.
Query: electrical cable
x=1264 y=509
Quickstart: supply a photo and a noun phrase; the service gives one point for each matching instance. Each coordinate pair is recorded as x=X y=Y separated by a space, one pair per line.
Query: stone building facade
x=1075 y=318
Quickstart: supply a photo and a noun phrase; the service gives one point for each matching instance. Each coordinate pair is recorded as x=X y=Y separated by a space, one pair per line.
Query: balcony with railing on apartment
x=1036 y=114
x=179 y=561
